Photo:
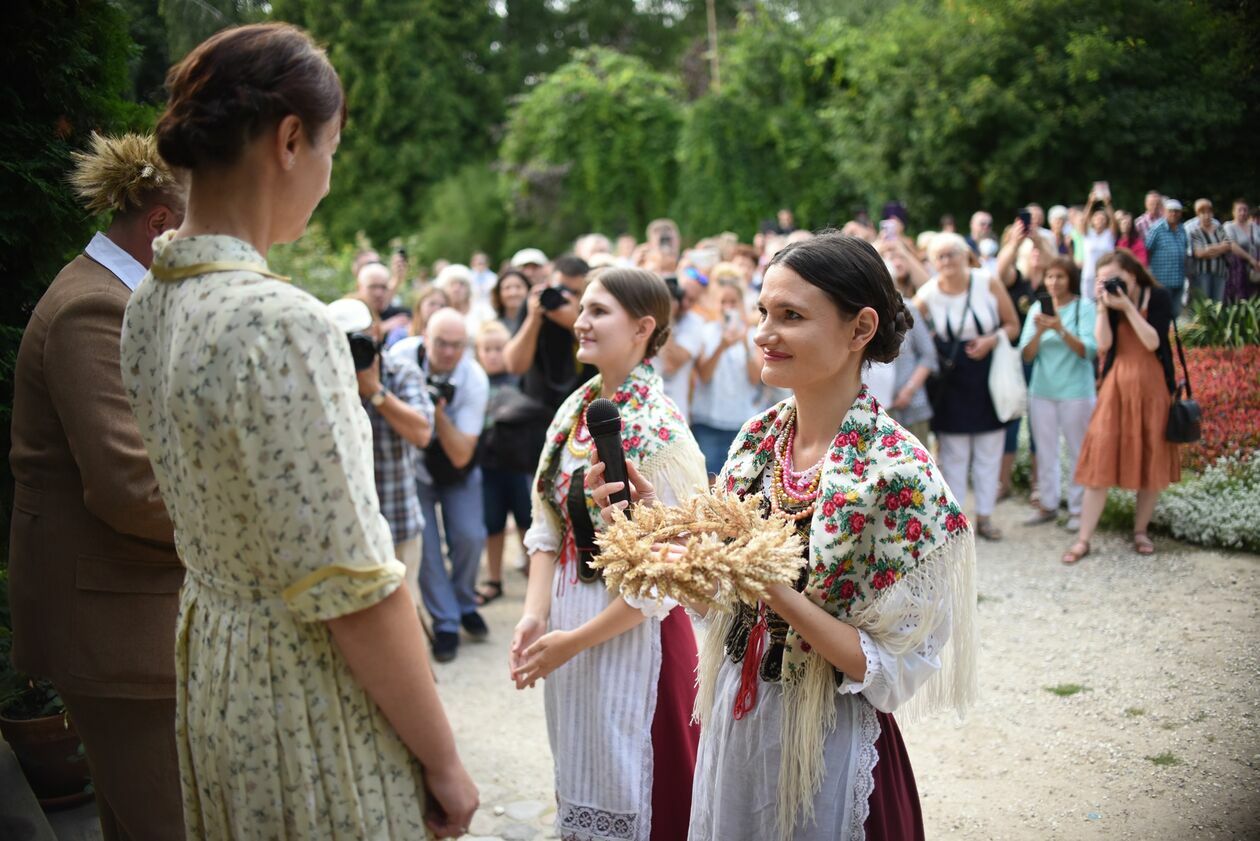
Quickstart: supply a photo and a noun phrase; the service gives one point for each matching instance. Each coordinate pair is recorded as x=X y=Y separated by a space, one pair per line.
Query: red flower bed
x=1226 y=383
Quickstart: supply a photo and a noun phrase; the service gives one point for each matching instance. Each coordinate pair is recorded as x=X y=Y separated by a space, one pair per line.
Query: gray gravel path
x=1161 y=742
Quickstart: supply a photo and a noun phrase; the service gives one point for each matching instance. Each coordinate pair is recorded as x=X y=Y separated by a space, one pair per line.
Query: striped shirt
x=1200 y=238
x=1144 y=222
x=1166 y=249
x=395 y=457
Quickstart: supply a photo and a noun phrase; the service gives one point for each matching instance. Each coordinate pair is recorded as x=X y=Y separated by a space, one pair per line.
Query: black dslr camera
x=440 y=388
x=554 y=297
x=363 y=350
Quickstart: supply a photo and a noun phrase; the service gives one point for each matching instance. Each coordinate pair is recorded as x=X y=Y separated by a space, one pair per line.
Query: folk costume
x=618 y=714
x=791 y=747
x=244 y=391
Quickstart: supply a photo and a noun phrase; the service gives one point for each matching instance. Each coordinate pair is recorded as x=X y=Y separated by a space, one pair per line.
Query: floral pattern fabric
x=883 y=507
x=245 y=395
x=650 y=423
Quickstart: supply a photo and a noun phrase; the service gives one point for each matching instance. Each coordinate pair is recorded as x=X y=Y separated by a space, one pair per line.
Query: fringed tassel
x=749 y=676
x=679 y=467
x=712 y=653
x=809 y=715
x=944 y=581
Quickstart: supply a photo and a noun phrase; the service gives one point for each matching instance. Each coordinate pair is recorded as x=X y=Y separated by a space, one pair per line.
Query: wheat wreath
x=732 y=553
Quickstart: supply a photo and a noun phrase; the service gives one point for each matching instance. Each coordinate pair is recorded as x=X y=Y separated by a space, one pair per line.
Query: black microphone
x=603 y=421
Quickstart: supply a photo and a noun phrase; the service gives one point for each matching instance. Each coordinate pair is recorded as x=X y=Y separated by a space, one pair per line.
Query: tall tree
x=64 y=66
x=993 y=104
x=420 y=97
x=189 y=22
x=591 y=148
x=759 y=145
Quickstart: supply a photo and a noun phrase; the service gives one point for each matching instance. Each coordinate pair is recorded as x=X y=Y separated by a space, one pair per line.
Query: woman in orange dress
x=1125 y=446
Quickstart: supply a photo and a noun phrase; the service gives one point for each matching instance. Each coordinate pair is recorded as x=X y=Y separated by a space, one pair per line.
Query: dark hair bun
x=885 y=345
x=240 y=82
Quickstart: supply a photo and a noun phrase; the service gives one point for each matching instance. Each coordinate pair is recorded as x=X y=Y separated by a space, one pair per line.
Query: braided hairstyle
x=239 y=83
x=854 y=276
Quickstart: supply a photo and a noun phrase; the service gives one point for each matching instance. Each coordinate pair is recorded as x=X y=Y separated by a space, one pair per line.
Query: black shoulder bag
x=938 y=381
x=1184 y=416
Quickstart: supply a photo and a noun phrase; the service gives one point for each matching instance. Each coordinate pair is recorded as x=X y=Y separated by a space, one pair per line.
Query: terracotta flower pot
x=48 y=751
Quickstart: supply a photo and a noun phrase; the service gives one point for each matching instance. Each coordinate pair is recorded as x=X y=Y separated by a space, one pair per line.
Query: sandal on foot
x=1075 y=552
x=1042 y=515
x=489 y=591
x=986 y=529
x=1142 y=544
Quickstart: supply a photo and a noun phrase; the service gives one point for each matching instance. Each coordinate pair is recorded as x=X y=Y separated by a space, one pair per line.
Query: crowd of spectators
x=506 y=347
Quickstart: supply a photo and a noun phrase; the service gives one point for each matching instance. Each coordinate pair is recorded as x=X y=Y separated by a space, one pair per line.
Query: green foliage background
x=489 y=126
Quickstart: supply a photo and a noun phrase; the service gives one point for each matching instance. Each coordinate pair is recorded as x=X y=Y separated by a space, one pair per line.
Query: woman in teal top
x=1061 y=391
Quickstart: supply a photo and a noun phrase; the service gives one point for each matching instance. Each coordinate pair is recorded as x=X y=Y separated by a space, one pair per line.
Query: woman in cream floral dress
x=305 y=706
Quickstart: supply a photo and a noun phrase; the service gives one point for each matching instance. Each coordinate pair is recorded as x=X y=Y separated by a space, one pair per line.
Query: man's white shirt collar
x=105 y=251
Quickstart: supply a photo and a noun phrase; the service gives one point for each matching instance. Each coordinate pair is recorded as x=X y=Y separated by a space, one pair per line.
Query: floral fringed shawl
x=654 y=436
x=890 y=553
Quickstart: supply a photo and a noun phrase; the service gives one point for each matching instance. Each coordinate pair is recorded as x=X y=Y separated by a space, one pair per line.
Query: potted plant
x=35 y=724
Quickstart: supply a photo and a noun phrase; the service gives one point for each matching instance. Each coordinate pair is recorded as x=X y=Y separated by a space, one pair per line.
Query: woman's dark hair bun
x=240 y=82
x=854 y=276
x=886 y=343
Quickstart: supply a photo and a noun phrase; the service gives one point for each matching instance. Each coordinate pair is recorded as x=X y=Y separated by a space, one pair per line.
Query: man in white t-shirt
x=448 y=477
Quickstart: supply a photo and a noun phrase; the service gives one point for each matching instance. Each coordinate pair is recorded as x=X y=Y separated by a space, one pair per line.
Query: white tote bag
x=1007 y=386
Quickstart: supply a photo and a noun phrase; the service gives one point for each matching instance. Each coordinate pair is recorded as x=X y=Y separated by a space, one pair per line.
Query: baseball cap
x=1172 y=204
x=526 y=256
x=350 y=315
x=455 y=271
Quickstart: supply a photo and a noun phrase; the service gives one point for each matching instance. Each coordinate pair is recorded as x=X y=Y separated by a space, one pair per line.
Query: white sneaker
x=1073 y=523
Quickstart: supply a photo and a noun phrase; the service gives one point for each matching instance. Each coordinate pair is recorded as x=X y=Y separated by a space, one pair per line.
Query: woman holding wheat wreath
x=796 y=692
x=620 y=672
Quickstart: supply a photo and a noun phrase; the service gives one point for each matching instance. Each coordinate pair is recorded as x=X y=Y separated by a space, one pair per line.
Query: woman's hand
x=457 y=799
x=980 y=348
x=527 y=632
x=544 y=656
x=1119 y=302
x=641 y=490
x=1047 y=322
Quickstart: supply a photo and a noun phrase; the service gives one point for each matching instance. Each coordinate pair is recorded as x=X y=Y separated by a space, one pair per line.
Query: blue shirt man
x=1166 y=246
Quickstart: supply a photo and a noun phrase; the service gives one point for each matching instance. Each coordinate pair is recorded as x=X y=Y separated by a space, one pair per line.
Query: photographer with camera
x=401 y=415
x=449 y=477
x=543 y=348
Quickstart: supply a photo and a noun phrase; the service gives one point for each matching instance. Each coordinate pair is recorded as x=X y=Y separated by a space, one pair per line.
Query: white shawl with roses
x=890 y=554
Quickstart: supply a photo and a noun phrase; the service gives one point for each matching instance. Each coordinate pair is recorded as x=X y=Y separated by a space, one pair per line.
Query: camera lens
x=363 y=350
x=552 y=298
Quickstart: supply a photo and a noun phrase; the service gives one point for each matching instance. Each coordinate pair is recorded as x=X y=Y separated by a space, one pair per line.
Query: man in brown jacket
x=94 y=577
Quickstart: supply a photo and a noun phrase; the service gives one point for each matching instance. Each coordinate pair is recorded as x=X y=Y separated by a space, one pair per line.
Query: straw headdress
x=117 y=172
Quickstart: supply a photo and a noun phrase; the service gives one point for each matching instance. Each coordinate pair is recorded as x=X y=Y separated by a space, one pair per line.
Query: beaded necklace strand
x=790 y=487
x=580 y=440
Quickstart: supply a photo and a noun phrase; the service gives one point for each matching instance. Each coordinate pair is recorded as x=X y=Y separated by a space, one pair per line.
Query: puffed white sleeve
x=542 y=535
x=892 y=679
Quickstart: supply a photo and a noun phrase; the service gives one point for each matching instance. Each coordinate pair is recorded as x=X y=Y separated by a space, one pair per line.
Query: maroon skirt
x=895 y=814
x=674 y=738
